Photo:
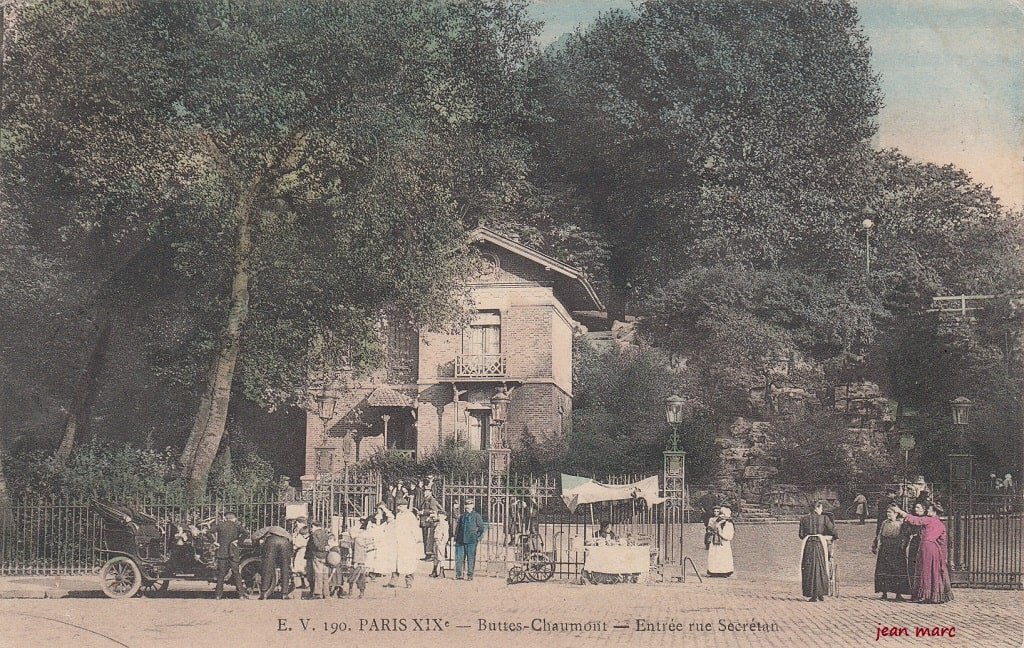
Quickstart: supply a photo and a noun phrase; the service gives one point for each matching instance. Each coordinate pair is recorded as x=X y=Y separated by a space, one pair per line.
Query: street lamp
x=961 y=463
x=499 y=456
x=326 y=402
x=674 y=410
x=907 y=443
x=961 y=408
x=867 y=225
x=675 y=459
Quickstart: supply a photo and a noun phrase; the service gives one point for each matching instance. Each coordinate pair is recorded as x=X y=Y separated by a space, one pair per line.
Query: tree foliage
x=309 y=164
x=696 y=133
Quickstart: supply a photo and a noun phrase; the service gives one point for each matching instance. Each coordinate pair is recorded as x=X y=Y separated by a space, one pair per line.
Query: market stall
x=607 y=558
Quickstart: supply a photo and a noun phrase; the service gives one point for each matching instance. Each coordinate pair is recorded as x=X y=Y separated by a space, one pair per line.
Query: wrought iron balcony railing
x=470 y=365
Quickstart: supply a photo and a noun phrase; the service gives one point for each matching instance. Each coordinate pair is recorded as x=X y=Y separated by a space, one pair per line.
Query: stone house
x=434 y=386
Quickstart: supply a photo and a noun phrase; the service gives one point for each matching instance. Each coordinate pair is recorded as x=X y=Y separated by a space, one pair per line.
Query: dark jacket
x=316 y=546
x=469 y=528
x=228 y=535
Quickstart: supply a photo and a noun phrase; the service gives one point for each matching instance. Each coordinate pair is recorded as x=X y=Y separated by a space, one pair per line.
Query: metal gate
x=986 y=540
x=337 y=499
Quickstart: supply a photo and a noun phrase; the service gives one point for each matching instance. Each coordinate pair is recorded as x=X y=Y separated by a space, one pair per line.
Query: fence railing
x=51 y=536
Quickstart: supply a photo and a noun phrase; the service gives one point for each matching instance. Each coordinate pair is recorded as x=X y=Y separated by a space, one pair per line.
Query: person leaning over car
x=276 y=554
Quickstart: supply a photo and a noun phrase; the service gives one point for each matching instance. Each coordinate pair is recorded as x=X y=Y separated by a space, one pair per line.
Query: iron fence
x=986 y=540
x=61 y=536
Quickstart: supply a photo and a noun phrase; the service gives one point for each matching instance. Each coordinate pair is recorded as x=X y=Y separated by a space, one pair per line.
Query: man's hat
x=469 y=500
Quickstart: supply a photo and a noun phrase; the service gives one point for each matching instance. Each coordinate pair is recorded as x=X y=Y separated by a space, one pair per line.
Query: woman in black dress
x=817 y=531
x=891 y=566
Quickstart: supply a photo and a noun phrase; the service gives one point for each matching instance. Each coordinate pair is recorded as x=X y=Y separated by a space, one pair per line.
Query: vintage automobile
x=145 y=554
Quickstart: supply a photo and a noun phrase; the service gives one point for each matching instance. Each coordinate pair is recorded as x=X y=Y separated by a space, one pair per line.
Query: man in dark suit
x=227 y=534
x=468 y=531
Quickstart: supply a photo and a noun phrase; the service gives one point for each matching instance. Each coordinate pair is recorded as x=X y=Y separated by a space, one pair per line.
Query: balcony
x=400 y=452
x=469 y=365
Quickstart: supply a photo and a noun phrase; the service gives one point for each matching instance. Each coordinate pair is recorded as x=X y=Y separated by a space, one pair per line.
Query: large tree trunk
x=208 y=429
x=77 y=422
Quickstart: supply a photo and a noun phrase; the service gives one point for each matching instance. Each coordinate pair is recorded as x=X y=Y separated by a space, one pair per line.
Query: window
x=479 y=424
x=483 y=336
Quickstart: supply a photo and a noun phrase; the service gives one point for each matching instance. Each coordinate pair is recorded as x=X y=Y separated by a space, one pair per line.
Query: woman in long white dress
x=384 y=539
x=408 y=541
x=722 y=530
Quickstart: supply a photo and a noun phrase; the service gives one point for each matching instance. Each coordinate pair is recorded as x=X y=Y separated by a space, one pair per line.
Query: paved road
x=762 y=604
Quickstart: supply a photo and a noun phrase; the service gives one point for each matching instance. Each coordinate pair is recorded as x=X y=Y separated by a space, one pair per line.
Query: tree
x=722 y=131
x=618 y=418
x=318 y=159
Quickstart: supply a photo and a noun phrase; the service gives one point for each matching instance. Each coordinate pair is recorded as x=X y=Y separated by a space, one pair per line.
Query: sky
x=952 y=72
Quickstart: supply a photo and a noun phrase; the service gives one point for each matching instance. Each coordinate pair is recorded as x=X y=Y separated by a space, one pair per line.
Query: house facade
x=436 y=386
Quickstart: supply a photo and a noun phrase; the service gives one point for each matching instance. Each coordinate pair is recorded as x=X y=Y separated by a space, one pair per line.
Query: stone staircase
x=754 y=512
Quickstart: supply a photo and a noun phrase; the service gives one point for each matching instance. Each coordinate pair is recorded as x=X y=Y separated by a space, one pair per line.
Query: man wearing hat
x=428 y=510
x=227 y=534
x=468 y=531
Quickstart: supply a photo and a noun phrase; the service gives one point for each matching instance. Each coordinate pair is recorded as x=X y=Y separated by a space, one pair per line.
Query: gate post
x=961 y=501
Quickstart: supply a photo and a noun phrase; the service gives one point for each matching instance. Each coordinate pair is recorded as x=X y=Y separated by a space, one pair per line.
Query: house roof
x=386 y=397
x=574 y=281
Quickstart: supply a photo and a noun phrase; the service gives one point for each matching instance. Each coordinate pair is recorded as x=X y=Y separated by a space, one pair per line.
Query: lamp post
x=961 y=463
x=675 y=459
x=674 y=409
x=326 y=402
x=907 y=443
x=867 y=225
x=498 y=454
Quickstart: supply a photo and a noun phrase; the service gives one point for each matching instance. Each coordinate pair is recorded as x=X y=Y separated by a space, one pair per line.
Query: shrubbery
x=102 y=469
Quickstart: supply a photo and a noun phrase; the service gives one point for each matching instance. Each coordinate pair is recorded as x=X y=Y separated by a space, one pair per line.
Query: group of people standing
x=389 y=542
x=912 y=552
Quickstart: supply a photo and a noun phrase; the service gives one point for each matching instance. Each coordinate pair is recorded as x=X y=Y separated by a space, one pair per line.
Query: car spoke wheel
x=150 y=587
x=120 y=577
x=252 y=579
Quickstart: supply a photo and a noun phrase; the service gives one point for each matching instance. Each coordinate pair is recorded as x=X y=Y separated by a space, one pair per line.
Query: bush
x=126 y=472
x=454 y=457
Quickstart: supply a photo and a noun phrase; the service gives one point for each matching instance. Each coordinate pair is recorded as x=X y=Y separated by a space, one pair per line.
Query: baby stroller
x=833 y=570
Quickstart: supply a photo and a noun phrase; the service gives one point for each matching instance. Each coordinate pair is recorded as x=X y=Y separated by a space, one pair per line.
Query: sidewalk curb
x=33 y=594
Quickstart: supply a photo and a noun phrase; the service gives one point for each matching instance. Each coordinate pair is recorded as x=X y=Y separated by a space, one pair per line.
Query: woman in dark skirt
x=891 y=566
x=817 y=532
x=912 y=541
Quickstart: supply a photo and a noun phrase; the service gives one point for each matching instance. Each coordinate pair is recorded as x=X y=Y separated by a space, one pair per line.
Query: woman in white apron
x=722 y=531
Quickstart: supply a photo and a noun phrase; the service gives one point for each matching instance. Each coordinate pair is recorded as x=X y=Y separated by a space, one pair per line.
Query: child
x=363 y=547
x=440 y=548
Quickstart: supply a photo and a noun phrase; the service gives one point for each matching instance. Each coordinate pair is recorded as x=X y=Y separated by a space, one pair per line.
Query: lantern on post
x=961 y=463
x=675 y=459
x=498 y=454
x=961 y=407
